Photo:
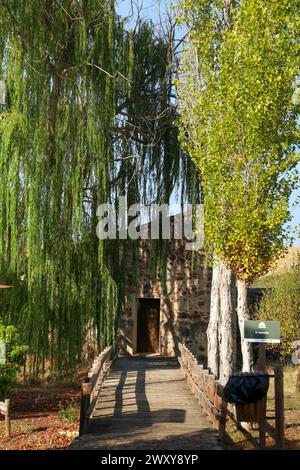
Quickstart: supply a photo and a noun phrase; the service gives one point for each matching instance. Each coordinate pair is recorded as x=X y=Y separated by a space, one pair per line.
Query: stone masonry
x=184 y=304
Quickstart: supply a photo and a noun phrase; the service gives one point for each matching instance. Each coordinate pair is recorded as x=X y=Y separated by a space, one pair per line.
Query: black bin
x=248 y=392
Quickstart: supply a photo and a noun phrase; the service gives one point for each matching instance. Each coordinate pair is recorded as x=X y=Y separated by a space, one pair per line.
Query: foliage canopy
x=238 y=96
x=88 y=116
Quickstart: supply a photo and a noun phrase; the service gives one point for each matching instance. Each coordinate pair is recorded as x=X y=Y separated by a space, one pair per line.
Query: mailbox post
x=263 y=332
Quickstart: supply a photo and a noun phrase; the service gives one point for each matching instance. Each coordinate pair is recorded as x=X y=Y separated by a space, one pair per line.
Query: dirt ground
x=42 y=418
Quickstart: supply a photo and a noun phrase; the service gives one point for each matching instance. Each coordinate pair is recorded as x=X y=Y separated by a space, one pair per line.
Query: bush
x=69 y=413
x=15 y=356
x=282 y=302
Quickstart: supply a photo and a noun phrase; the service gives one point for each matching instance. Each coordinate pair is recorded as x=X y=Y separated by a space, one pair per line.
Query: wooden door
x=148 y=326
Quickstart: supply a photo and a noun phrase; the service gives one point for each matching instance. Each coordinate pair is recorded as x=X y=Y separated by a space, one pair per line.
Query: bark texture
x=221 y=330
x=212 y=330
x=226 y=326
x=243 y=314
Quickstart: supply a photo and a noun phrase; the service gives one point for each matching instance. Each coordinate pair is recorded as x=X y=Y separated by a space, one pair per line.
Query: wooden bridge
x=144 y=403
x=162 y=403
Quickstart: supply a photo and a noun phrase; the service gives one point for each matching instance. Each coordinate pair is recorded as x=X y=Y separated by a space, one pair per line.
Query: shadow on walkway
x=146 y=404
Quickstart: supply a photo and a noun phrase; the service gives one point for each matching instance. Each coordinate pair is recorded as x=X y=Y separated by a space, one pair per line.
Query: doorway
x=148 y=326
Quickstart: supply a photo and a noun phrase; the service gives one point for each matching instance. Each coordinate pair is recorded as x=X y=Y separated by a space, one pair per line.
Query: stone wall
x=184 y=306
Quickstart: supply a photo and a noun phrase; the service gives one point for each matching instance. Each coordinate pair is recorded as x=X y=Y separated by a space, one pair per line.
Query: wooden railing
x=91 y=386
x=5 y=410
x=210 y=394
x=205 y=387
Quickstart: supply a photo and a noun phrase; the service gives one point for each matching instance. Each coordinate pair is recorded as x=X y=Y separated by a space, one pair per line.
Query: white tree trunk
x=212 y=330
x=226 y=326
x=243 y=314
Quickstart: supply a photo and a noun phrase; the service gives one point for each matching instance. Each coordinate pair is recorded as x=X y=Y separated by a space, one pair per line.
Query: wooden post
x=262 y=435
x=84 y=404
x=279 y=407
x=222 y=424
x=298 y=379
x=261 y=366
x=7 y=419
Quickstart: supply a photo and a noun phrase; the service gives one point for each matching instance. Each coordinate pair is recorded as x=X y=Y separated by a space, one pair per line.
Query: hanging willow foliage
x=83 y=95
x=149 y=165
x=58 y=60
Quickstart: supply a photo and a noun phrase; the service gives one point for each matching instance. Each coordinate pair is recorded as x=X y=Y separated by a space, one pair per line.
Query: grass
x=17 y=427
x=268 y=281
x=69 y=413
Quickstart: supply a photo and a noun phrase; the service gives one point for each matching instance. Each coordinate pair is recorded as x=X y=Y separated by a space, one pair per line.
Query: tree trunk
x=226 y=326
x=212 y=330
x=243 y=314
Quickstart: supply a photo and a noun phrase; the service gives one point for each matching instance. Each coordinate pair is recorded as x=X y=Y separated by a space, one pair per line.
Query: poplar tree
x=239 y=106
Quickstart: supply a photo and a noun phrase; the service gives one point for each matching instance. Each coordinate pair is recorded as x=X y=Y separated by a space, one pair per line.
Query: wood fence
x=5 y=410
x=91 y=386
x=210 y=394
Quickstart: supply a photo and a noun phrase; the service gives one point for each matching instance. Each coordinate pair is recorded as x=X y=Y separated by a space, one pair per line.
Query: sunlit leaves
x=237 y=92
x=281 y=301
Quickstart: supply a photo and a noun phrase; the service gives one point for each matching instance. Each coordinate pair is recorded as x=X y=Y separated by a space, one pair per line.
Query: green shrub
x=69 y=413
x=15 y=356
x=282 y=302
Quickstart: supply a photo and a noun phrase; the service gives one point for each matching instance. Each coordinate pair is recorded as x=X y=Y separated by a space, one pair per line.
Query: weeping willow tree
x=58 y=60
x=88 y=116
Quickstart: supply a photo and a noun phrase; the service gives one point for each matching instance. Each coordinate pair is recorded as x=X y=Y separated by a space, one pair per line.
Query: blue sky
x=156 y=10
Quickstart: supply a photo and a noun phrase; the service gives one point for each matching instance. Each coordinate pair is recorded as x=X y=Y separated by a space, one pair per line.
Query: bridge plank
x=145 y=403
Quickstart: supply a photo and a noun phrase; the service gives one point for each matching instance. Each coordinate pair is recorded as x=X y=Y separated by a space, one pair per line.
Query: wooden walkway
x=146 y=404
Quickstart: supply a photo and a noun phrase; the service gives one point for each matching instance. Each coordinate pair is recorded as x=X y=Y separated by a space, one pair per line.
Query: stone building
x=157 y=314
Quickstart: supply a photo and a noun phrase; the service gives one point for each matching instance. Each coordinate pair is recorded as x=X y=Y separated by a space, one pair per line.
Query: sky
x=156 y=10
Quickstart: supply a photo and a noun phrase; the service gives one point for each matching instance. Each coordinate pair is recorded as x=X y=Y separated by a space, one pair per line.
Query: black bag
x=241 y=389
